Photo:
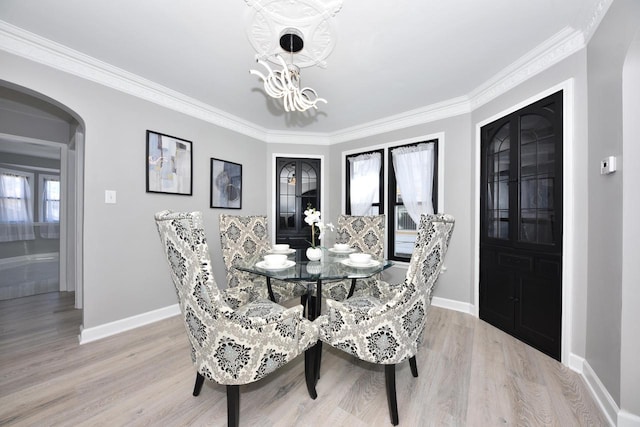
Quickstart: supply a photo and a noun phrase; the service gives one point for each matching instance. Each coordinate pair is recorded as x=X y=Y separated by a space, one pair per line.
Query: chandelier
x=285 y=83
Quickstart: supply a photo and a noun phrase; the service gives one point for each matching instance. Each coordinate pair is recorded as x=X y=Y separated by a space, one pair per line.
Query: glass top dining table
x=333 y=266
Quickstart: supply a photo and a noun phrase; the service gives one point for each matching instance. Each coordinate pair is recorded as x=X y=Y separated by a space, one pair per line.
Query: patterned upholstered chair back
x=389 y=331
x=242 y=237
x=187 y=253
x=386 y=325
x=365 y=233
x=228 y=346
x=429 y=248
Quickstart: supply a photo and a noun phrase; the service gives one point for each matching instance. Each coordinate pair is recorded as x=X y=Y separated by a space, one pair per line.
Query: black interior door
x=521 y=224
x=298 y=185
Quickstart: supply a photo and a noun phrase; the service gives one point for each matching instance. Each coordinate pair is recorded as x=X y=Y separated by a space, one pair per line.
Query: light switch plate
x=109 y=196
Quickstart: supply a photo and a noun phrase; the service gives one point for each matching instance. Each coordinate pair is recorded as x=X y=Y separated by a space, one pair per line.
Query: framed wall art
x=226 y=184
x=169 y=164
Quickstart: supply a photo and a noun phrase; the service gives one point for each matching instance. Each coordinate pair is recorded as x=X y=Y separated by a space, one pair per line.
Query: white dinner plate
x=288 y=251
x=370 y=263
x=288 y=263
x=336 y=251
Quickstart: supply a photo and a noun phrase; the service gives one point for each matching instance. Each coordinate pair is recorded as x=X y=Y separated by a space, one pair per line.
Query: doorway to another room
x=41 y=145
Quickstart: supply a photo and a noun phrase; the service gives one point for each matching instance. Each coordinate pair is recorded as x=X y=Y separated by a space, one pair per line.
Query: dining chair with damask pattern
x=364 y=234
x=385 y=325
x=229 y=345
x=242 y=237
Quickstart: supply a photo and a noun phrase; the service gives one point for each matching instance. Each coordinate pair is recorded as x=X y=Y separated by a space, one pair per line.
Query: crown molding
x=298 y=138
x=31 y=46
x=555 y=49
x=28 y=45
x=595 y=19
x=419 y=116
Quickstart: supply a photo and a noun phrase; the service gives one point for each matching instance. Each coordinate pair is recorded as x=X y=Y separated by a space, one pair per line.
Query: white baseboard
x=599 y=391
x=112 y=328
x=627 y=419
x=576 y=363
x=450 y=304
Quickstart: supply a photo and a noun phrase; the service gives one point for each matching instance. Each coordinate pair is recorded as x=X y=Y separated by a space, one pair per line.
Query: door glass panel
x=287 y=196
x=497 y=208
x=309 y=189
x=537 y=177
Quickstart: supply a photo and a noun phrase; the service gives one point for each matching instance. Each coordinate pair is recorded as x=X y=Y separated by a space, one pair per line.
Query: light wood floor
x=471 y=374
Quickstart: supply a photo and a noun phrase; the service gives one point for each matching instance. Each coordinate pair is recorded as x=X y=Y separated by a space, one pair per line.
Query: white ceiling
x=391 y=57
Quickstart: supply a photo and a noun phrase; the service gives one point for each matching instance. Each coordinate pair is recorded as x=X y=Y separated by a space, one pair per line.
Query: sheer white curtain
x=363 y=181
x=413 y=167
x=16 y=212
x=50 y=226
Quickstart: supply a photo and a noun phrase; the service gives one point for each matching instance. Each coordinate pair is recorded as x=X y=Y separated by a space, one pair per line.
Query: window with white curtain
x=49 y=196
x=16 y=205
x=364 y=183
x=410 y=191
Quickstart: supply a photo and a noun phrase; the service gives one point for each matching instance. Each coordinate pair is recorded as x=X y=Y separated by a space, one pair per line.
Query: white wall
x=605 y=56
x=630 y=333
x=125 y=273
x=456 y=284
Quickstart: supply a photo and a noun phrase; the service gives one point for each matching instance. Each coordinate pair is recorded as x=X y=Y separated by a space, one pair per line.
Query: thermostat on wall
x=608 y=165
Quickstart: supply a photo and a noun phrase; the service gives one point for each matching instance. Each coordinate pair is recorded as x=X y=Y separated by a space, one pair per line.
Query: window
x=365 y=183
x=49 y=196
x=414 y=171
x=16 y=205
x=417 y=178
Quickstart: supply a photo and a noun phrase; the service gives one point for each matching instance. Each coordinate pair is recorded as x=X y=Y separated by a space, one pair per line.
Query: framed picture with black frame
x=226 y=184
x=169 y=164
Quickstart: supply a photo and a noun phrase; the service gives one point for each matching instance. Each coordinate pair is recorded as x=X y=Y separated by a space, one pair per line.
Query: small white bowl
x=341 y=247
x=275 y=260
x=360 y=258
x=280 y=247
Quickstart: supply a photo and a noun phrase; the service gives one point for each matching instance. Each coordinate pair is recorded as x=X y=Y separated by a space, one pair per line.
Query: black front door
x=521 y=224
x=297 y=186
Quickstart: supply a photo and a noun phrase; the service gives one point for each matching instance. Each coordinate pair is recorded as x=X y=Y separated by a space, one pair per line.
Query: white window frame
x=41 y=190
x=440 y=136
x=30 y=178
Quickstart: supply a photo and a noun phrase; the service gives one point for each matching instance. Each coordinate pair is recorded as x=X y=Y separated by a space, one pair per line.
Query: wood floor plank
x=470 y=374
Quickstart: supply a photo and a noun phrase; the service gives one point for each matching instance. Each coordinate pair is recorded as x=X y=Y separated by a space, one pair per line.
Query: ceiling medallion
x=268 y=19
x=302 y=28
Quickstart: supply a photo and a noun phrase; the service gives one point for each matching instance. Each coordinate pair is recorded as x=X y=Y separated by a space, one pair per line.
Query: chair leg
x=198 y=386
x=233 y=405
x=390 y=381
x=318 y=357
x=352 y=288
x=270 y=290
x=303 y=302
x=310 y=371
x=414 y=367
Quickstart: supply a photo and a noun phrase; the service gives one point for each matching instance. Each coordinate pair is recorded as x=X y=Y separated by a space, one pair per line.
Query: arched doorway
x=43 y=141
